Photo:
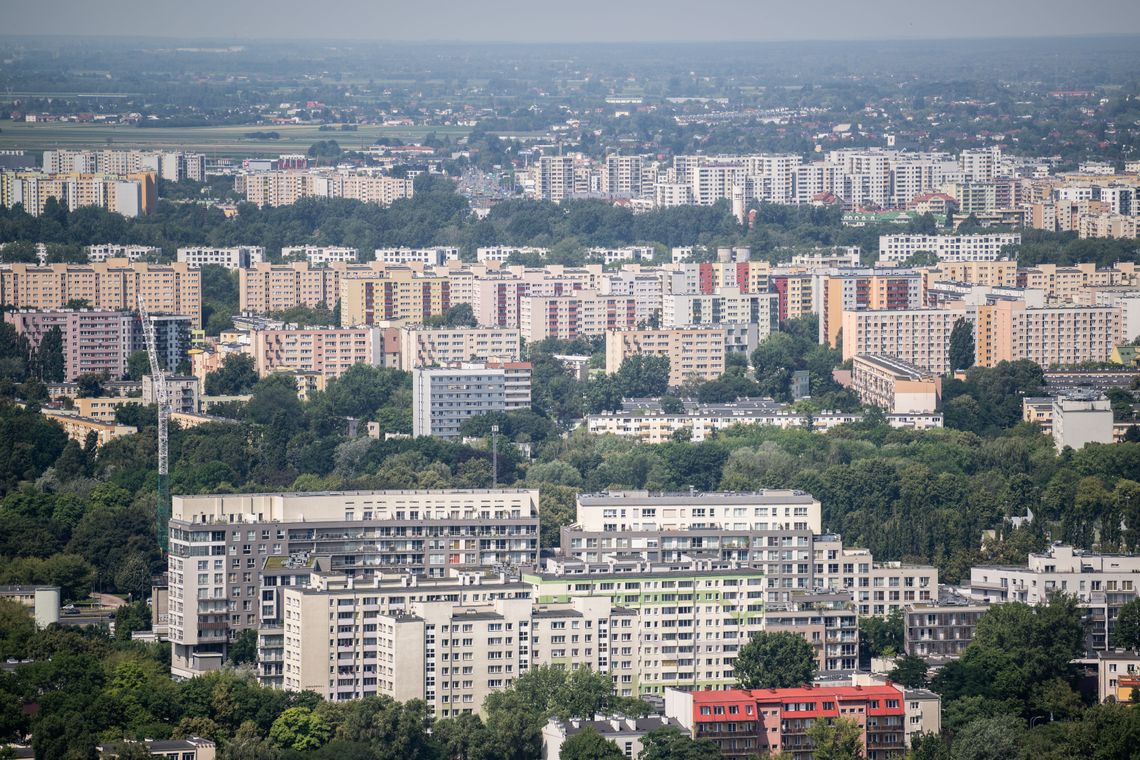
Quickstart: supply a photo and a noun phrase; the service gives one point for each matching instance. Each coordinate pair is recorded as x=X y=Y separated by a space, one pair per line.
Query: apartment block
x=485 y=254
x=1000 y=273
x=235 y=257
x=794 y=295
x=694 y=353
x=1102 y=583
x=115 y=284
x=437 y=256
x=270 y=288
x=672 y=625
x=826 y=619
x=100 y=253
x=939 y=631
x=78 y=428
x=894 y=385
x=726 y=305
x=319 y=254
x=286 y=187
x=843 y=290
x=745 y=723
x=231 y=554
x=1008 y=330
x=327 y=351
x=442 y=398
x=94 y=342
x=422 y=346
x=397 y=295
x=1078 y=420
x=879 y=588
x=449 y=642
x=983 y=247
x=582 y=312
x=130 y=195
x=920 y=337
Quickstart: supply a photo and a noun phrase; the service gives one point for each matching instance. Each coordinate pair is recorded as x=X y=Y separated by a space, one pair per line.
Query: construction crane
x=162 y=401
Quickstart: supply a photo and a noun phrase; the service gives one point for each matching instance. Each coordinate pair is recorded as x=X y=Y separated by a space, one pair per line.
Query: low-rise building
x=78 y=428
x=626 y=733
x=234 y=257
x=745 y=723
x=1102 y=583
x=894 y=385
x=1080 y=420
x=939 y=631
x=1118 y=675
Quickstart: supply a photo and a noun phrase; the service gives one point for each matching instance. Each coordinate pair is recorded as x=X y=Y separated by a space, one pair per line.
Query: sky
x=570 y=20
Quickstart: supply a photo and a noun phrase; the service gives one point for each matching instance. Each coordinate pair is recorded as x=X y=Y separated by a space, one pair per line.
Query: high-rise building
x=231 y=555
x=694 y=353
x=442 y=398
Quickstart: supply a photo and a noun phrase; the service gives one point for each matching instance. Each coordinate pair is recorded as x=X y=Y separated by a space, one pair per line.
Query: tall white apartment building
x=235 y=257
x=319 y=254
x=981 y=247
x=100 y=253
x=980 y=164
x=485 y=254
x=231 y=554
x=917 y=336
x=442 y=398
x=626 y=176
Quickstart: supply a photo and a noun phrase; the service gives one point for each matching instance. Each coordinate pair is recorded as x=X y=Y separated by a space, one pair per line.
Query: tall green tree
x=775 y=661
x=672 y=744
x=1128 y=626
x=235 y=377
x=49 y=356
x=962 y=350
x=588 y=744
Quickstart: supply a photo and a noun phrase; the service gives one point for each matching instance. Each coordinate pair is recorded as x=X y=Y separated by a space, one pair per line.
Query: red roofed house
x=744 y=723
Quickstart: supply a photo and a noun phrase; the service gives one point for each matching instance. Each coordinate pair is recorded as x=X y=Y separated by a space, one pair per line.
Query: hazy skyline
x=581 y=21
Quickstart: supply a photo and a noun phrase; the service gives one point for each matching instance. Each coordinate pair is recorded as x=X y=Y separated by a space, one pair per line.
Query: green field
x=213 y=141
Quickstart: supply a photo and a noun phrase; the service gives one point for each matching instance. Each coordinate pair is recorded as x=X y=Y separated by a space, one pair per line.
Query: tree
x=881 y=637
x=838 y=739
x=930 y=746
x=1128 y=626
x=235 y=377
x=49 y=356
x=248 y=744
x=138 y=364
x=962 y=349
x=299 y=728
x=997 y=738
x=671 y=744
x=588 y=744
x=910 y=671
x=89 y=385
x=775 y=661
x=244 y=648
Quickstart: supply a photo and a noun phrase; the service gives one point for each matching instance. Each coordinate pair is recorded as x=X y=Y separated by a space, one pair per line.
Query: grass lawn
x=213 y=141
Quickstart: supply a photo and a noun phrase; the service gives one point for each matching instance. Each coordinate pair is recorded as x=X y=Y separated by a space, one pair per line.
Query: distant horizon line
x=230 y=41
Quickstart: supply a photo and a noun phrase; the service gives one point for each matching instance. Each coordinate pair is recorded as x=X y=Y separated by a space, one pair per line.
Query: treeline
x=437 y=215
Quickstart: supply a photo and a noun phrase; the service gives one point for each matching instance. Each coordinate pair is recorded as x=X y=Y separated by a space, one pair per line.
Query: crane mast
x=162 y=401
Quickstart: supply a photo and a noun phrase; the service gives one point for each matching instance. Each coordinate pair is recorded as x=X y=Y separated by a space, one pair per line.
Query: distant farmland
x=229 y=141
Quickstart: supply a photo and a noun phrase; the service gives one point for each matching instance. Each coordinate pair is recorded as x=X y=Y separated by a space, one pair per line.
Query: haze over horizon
x=586 y=21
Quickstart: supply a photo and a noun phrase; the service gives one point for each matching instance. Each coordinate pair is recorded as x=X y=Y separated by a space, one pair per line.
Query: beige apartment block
x=894 y=385
x=1008 y=330
x=1000 y=273
x=583 y=312
x=879 y=588
x=115 y=284
x=916 y=336
x=327 y=351
x=694 y=354
x=422 y=346
x=396 y=295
